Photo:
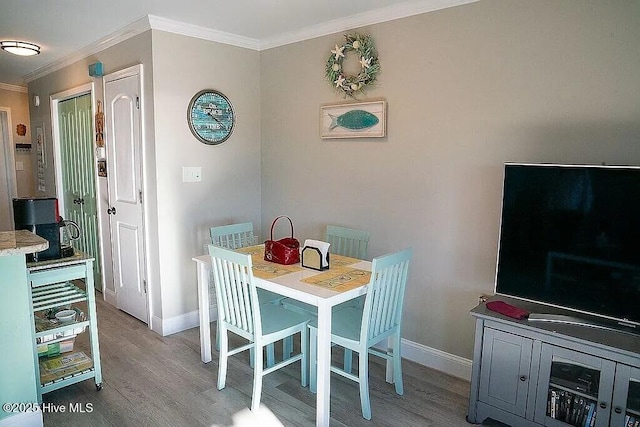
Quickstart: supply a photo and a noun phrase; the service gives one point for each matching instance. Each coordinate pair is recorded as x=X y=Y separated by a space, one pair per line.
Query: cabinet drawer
x=57 y=275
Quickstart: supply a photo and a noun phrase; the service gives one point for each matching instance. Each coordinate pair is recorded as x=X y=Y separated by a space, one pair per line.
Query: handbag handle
x=274 y=223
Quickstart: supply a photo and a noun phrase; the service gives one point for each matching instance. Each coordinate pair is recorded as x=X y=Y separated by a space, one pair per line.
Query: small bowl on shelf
x=66 y=316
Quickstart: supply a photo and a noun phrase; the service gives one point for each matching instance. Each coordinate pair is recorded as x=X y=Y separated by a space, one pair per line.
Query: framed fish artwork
x=354 y=120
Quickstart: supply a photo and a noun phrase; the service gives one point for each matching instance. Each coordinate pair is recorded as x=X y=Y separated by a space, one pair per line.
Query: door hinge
x=144 y=283
x=137 y=102
x=140 y=196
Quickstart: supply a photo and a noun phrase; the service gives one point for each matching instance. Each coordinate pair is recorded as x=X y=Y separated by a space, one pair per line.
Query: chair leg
x=218 y=335
x=271 y=355
x=313 y=359
x=287 y=347
x=348 y=360
x=363 y=376
x=257 y=381
x=397 y=365
x=304 y=363
x=223 y=356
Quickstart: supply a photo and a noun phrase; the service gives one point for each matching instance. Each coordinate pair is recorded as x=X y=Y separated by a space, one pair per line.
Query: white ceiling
x=67 y=29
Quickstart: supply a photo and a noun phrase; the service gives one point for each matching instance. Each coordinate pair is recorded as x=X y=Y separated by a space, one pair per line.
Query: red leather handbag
x=284 y=251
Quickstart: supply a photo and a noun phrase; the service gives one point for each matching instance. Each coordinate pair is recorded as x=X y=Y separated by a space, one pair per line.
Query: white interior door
x=124 y=170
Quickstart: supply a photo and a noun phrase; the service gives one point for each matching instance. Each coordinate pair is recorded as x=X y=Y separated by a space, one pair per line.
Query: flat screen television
x=570 y=238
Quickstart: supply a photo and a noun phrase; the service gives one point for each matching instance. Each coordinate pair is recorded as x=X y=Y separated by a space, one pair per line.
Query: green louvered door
x=78 y=178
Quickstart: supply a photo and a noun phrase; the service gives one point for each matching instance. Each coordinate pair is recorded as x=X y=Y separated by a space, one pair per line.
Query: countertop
x=21 y=242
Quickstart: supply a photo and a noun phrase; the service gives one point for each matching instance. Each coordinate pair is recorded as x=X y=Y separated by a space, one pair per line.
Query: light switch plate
x=19 y=166
x=191 y=174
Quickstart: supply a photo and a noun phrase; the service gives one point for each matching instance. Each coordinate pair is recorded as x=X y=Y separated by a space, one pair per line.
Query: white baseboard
x=430 y=357
x=176 y=324
x=23 y=419
x=437 y=359
x=109 y=296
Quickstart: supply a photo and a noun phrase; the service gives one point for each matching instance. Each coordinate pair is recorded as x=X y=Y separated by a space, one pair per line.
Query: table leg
x=324 y=365
x=203 y=309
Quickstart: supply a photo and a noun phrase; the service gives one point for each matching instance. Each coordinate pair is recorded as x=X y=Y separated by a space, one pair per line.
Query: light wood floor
x=149 y=380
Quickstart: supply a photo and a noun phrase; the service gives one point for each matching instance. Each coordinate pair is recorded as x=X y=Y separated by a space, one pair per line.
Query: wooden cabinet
x=537 y=373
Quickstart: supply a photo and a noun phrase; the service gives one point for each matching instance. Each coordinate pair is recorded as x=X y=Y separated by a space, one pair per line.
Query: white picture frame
x=354 y=120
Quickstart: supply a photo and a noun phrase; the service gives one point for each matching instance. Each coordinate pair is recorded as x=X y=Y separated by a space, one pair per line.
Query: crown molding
x=397 y=11
x=13 y=88
x=390 y=13
x=131 y=30
x=168 y=25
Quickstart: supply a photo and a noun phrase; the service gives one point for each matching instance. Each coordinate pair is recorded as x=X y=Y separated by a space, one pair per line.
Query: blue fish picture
x=354 y=120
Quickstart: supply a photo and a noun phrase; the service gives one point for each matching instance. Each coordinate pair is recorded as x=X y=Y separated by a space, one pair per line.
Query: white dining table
x=289 y=285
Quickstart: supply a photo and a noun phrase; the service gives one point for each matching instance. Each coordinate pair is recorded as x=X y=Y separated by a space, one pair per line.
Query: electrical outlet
x=191 y=174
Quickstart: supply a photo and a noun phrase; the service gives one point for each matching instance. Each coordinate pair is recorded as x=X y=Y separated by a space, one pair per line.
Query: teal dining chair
x=359 y=329
x=347 y=242
x=236 y=236
x=240 y=312
x=233 y=236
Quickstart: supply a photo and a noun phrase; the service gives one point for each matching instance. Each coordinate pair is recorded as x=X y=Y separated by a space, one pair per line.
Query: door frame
x=8 y=148
x=55 y=99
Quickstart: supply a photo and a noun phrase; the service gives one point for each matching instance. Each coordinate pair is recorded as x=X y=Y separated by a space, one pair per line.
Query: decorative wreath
x=362 y=45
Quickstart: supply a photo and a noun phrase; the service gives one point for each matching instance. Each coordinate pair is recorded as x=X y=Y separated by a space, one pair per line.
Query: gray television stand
x=515 y=376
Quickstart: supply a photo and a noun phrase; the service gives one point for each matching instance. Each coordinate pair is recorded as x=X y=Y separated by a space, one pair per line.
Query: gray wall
x=468 y=88
x=230 y=187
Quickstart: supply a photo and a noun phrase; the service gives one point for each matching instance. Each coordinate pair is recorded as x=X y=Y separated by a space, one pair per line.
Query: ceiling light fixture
x=20 y=48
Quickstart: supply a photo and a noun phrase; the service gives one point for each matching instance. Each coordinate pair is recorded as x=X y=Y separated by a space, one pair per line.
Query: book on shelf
x=592 y=409
x=64 y=365
x=572 y=408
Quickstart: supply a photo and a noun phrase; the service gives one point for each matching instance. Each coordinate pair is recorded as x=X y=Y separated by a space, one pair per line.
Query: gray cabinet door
x=504 y=374
x=602 y=391
x=626 y=395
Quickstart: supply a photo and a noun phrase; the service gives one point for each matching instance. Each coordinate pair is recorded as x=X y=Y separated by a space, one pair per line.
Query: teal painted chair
x=235 y=236
x=261 y=324
x=347 y=242
x=359 y=329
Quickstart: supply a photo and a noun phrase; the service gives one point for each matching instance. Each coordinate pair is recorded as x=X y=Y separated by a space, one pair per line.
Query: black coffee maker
x=40 y=216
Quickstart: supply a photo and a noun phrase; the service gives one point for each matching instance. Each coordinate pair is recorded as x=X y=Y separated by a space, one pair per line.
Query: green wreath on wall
x=351 y=85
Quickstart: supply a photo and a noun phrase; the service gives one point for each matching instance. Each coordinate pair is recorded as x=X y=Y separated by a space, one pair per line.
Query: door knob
x=111 y=211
